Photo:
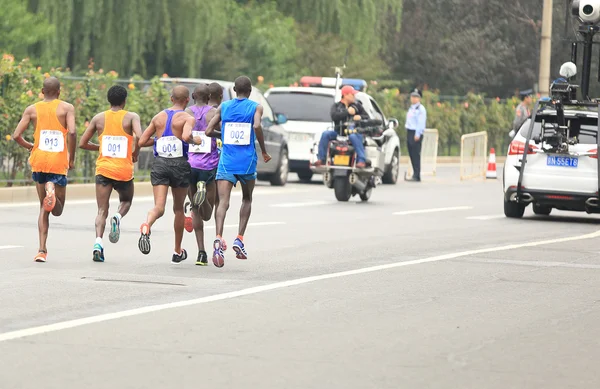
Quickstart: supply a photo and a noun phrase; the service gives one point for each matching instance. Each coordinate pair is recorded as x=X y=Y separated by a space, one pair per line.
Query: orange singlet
x=115 y=161
x=49 y=153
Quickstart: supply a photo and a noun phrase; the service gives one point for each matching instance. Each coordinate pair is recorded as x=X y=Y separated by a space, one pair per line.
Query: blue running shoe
x=115 y=230
x=98 y=253
x=240 y=250
x=218 y=254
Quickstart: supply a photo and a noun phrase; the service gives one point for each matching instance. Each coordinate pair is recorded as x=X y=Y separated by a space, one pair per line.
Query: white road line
x=539 y=263
x=9 y=247
x=432 y=210
x=294 y=205
x=278 y=285
x=257 y=224
x=485 y=217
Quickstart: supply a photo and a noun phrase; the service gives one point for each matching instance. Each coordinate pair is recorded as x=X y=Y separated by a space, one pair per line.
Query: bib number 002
x=52 y=141
x=237 y=134
x=114 y=146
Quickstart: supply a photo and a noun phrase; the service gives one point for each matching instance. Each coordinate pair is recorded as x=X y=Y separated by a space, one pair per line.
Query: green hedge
x=21 y=84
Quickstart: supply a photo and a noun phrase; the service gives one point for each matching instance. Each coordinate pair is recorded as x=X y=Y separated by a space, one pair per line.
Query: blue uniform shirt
x=416 y=119
x=238 y=153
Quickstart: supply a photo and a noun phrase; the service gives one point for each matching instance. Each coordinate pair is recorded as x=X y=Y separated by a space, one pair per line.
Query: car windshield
x=585 y=128
x=307 y=107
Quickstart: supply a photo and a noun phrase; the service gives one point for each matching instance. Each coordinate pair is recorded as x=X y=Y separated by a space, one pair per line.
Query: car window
x=302 y=106
x=377 y=112
x=585 y=129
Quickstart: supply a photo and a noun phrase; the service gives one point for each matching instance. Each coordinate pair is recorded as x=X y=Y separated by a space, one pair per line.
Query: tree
x=19 y=28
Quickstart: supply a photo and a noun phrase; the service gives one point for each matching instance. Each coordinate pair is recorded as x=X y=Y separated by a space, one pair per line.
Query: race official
x=522 y=112
x=416 y=120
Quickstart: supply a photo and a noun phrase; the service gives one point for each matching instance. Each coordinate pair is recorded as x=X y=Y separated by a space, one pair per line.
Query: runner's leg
x=125 y=198
x=43 y=219
x=102 y=198
x=246 y=208
x=160 y=200
x=179 y=195
x=209 y=204
x=224 y=192
x=61 y=194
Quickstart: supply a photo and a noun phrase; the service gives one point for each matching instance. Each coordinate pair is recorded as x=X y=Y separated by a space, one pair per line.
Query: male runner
x=170 y=167
x=54 y=122
x=116 y=129
x=241 y=125
x=203 y=159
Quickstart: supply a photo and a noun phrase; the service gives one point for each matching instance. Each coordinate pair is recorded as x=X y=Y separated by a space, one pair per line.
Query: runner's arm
x=22 y=126
x=188 y=126
x=136 y=127
x=71 y=134
x=209 y=115
x=258 y=130
x=84 y=142
x=146 y=140
x=212 y=125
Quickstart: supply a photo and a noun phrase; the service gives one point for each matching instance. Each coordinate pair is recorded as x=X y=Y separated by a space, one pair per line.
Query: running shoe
x=240 y=250
x=188 y=224
x=144 y=242
x=41 y=256
x=178 y=258
x=200 y=195
x=50 y=199
x=115 y=230
x=218 y=254
x=202 y=259
x=98 y=253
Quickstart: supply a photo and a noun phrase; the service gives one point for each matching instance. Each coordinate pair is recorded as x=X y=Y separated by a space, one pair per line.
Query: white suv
x=558 y=173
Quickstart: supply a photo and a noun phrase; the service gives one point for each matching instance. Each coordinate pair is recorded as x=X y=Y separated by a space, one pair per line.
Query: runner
x=170 y=167
x=50 y=161
x=114 y=168
x=241 y=125
x=203 y=160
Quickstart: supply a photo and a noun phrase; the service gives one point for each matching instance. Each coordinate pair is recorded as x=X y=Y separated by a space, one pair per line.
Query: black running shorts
x=173 y=172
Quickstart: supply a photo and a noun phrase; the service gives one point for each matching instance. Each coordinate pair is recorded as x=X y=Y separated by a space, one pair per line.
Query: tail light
x=341 y=149
x=595 y=151
x=518 y=148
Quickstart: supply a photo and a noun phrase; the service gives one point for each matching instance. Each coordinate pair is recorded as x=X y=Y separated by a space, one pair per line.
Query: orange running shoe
x=189 y=222
x=41 y=256
x=50 y=199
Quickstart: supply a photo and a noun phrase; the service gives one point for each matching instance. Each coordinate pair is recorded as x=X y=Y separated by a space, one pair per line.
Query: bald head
x=51 y=87
x=243 y=86
x=180 y=94
x=201 y=93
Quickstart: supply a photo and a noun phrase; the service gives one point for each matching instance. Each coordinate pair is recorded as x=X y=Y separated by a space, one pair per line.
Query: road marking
x=539 y=263
x=485 y=217
x=294 y=205
x=10 y=247
x=258 y=224
x=432 y=210
x=278 y=285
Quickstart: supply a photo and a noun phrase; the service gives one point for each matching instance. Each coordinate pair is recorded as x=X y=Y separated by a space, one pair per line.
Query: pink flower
x=29 y=93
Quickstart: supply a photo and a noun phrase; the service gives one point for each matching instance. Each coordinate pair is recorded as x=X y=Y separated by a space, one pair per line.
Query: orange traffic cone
x=491 y=170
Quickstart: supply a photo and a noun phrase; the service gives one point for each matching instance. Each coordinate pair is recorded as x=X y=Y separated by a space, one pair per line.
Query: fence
x=473 y=153
x=429 y=154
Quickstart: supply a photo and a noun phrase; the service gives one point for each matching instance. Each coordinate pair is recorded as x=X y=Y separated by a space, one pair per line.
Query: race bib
x=237 y=134
x=169 y=147
x=114 y=146
x=52 y=141
x=205 y=147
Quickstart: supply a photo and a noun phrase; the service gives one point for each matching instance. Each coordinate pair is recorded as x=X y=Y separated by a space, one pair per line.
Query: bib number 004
x=169 y=147
x=114 y=146
x=237 y=134
x=52 y=141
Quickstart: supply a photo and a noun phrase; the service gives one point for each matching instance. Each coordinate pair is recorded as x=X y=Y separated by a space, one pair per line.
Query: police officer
x=522 y=112
x=416 y=120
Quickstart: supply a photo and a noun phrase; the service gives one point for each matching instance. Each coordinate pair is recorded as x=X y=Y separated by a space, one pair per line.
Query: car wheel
x=342 y=188
x=542 y=209
x=513 y=210
x=281 y=174
x=393 y=170
x=305 y=175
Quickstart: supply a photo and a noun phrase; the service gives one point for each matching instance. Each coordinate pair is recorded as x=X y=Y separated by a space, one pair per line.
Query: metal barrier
x=473 y=155
x=429 y=154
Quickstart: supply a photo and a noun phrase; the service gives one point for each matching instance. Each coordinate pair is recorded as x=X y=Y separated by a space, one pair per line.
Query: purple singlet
x=201 y=157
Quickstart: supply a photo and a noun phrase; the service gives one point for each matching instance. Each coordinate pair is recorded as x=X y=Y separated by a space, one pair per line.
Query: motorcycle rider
x=345 y=110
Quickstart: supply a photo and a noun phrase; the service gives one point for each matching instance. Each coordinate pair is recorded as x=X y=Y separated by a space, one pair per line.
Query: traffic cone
x=491 y=170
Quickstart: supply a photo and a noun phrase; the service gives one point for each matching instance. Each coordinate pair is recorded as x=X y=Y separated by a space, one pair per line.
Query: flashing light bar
x=329 y=82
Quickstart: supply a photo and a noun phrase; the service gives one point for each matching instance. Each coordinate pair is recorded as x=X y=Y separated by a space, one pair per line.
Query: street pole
x=546 y=49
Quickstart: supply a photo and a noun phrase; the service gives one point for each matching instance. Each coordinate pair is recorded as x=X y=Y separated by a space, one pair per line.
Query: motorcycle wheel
x=367 y=195
x=342 y=188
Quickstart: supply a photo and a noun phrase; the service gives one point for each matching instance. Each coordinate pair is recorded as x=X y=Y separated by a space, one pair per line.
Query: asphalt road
x=425 y=286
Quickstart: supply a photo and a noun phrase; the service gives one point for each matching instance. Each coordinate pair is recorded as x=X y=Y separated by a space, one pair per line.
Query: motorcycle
x=340 y=171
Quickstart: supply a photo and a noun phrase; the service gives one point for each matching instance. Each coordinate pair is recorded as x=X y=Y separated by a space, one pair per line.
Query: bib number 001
x=237 y=134
x=52 y=141
x=114 y=146
x=169 y=147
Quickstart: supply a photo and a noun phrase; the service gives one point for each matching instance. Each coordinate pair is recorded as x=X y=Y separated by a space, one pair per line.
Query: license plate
x=300 y=137
x=343 y=160
x=572 y=162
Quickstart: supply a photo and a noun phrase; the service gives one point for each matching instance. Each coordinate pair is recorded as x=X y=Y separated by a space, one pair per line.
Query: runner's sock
x=118 y=216
x=240 y=237
x=99 y=241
